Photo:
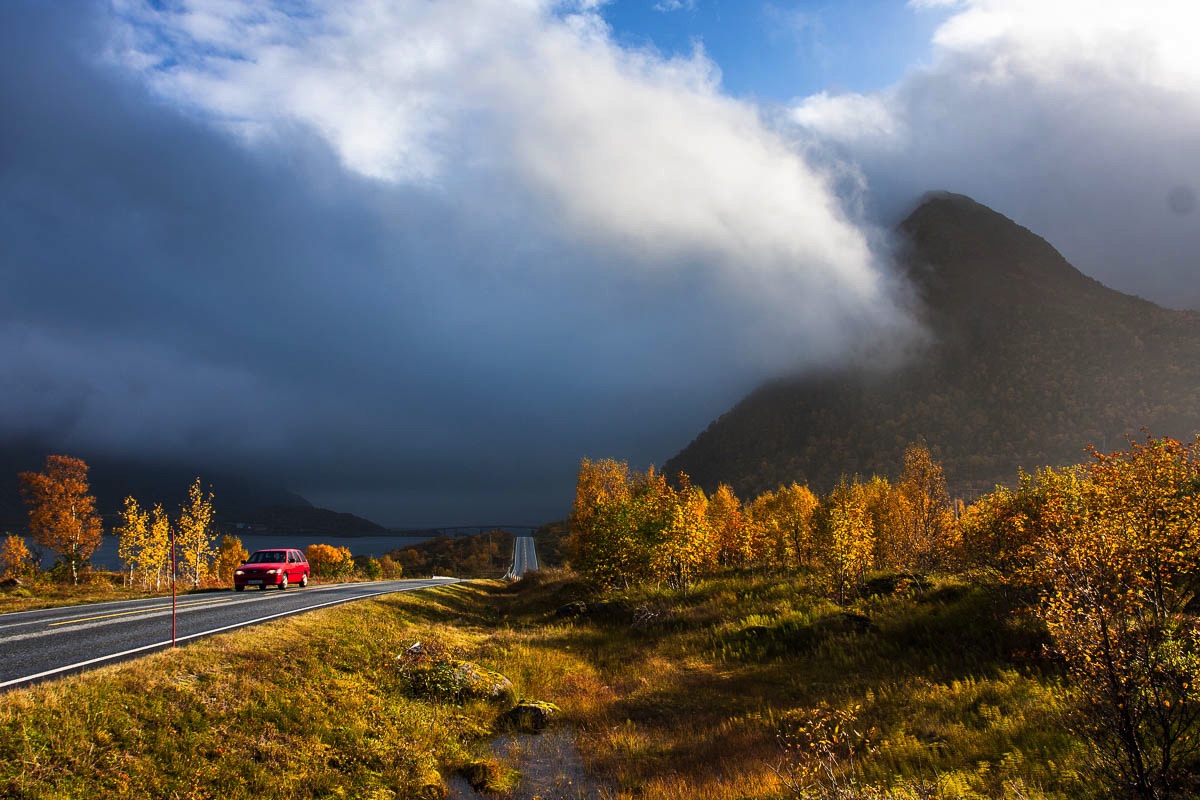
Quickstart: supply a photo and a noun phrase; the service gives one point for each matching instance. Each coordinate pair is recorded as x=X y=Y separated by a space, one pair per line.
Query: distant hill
x=112 y=480
x=310 y=522
x=1030 y=360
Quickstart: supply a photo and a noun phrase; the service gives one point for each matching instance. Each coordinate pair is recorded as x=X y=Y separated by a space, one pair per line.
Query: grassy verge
x=312 y=708
x=708 y=693
x=94 y=587
x=670 y=695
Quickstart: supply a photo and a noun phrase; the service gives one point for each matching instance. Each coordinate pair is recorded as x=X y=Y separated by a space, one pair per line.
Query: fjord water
x=106 y=556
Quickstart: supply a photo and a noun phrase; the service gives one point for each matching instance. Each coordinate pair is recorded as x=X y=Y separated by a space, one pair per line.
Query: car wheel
x=283 y=583
x=304 y=580
x=239 y=588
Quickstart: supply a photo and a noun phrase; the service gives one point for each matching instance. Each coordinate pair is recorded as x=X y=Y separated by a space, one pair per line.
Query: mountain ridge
x=1028 y=361
x=240 y=504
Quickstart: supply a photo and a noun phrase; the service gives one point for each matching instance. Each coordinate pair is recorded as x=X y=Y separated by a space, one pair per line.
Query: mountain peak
x=961 y=253
x=1031 y=360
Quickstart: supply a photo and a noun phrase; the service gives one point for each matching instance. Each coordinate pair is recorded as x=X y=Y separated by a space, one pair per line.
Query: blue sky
x=778 y=51
x=415 y=259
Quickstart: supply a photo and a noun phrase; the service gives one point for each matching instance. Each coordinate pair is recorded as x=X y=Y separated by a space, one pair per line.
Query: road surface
x=42 y=644
x=524 y=557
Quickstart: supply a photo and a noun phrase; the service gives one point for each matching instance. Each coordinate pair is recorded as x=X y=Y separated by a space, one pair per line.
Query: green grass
x=668 y=695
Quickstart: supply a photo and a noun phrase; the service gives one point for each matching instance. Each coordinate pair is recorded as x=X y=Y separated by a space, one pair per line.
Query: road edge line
x=167 y=643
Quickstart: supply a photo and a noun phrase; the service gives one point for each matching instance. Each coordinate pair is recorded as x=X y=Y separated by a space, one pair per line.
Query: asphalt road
x=524 y=557
x=36 y=645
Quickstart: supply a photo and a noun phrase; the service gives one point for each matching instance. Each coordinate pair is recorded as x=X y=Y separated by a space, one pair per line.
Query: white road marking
x=84 y=623
x=8 y=614
x=178 y=639
x=152 y=604
x=77 y=620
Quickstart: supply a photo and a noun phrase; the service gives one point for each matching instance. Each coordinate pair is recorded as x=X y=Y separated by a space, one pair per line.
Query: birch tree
x=929 y=535
x=848 y=543
x=1118 y=565
x=133 y=535
x=155 y=558
x=195 y=541
x=728 y=524
x=688 y=547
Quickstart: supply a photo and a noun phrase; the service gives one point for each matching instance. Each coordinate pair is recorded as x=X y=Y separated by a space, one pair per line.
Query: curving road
x=35 y=645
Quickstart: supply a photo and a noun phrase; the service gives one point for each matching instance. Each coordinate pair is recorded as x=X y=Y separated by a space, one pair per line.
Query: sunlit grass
x=687 y=693
x=668 y=695
x=313 y=708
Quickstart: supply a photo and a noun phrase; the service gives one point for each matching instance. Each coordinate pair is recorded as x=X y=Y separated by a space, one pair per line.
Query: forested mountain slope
x=1029 y=361
x=112 y=479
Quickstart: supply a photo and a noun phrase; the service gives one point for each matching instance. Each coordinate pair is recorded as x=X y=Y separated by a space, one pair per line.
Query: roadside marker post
x=174 y=571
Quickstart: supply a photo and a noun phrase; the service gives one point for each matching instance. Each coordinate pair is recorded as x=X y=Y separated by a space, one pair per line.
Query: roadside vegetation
x=318 y=711
x=756 y=685
x=63 y=522
x=668 y=693
x=483 y=555
x=712 y=692
x=1104 y=558
x=878 y=643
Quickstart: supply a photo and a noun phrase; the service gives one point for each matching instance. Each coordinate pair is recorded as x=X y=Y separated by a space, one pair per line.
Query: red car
x=265 y=568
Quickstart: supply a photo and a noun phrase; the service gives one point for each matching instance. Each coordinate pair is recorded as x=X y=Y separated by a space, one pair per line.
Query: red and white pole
x=173 y=573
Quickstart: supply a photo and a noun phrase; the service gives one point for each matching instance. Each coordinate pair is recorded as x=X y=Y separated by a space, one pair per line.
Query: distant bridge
x=469 y=530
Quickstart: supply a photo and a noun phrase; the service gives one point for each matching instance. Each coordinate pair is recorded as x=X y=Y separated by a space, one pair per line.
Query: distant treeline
x=485 y=555
x=629 y=527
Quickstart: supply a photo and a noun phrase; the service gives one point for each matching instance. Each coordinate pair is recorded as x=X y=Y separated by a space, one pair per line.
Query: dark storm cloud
x=168 y=294
x=416 y=268
x=421 y=353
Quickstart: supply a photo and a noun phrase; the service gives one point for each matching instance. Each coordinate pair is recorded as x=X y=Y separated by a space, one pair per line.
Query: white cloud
x=650 y=156
x=926 y=4
x=667 y=6
x=1148 y=43
x=628 y=153
x=480 y=237
x=851 y=118
x=462 y=245
x=1072 y=116
x=370 y=77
